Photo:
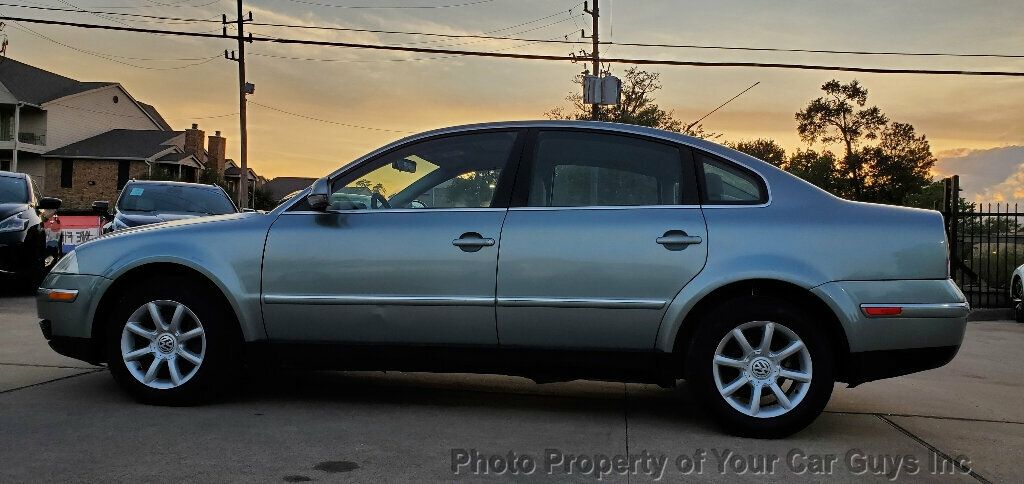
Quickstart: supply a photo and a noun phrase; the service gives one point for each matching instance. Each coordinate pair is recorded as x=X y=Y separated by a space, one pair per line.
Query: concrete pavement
x=62 y=420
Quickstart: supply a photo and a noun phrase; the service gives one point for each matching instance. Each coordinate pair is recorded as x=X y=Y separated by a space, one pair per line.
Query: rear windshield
x=174 y=198
x=13 y=190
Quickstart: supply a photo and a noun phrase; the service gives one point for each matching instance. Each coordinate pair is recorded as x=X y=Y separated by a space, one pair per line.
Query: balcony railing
x=32 y=138
x=29 y=138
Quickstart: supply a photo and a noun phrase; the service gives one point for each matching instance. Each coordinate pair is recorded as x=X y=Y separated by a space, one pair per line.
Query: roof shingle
x=36 y=86
x=118 y=144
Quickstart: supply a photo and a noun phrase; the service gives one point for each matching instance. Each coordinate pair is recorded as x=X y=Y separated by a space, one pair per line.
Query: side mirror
x=48 y=203
x=101 y=206
x=319 y=197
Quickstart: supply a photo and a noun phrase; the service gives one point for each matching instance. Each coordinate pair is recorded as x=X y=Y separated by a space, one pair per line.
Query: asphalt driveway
x=64 y=420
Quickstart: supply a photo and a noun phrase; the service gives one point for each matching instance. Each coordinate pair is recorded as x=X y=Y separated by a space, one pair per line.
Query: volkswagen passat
x=553 y=250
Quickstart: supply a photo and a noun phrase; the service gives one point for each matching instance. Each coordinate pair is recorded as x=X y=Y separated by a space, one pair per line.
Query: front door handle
x=677 y=239
x=472 y=242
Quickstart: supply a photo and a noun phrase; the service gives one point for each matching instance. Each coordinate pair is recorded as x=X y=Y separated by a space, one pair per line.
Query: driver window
x=453 y=172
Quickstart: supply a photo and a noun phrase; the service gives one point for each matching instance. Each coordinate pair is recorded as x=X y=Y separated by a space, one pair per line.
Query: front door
x=406 y=254
x=609 y=232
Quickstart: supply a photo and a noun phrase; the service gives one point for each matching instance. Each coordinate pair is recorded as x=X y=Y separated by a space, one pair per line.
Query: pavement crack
x=9 y=390
x=33 y=365
x=935 y=450
x=935 y=417
x=625 y=419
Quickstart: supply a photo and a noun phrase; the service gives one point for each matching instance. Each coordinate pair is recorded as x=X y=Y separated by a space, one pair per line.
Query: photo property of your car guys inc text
x=496 y=240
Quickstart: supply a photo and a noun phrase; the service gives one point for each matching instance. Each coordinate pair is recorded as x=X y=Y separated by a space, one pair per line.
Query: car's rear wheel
x=760 y=367
x=168 y=344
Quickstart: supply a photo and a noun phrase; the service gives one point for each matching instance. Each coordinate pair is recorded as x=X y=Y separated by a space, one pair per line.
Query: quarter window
x=725 y=183
x=574 y=169
x=460 y=171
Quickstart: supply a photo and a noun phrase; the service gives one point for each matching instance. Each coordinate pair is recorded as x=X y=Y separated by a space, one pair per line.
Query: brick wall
x=92 y=180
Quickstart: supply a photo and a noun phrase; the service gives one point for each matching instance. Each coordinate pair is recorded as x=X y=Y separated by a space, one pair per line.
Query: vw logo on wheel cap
x=761 y=368
x=165 y=343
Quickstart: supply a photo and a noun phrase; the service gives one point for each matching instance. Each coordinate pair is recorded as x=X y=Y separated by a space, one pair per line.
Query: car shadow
x=496 y=392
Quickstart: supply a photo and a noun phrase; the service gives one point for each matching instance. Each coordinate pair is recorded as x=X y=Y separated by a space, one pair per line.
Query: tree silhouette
x=763 y=148
x=894 y=170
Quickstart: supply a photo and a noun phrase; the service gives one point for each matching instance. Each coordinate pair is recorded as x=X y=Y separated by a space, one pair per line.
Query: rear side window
x=575 y=169
x=725 y=183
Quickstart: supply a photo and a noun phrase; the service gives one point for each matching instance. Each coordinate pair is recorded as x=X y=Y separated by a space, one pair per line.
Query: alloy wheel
x=763 y=380
x=163 y=344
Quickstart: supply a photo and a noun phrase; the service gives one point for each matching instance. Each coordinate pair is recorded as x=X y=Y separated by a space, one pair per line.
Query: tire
x=1016 y=295
x=205 y=348
x=33 y=267
x=733 y=372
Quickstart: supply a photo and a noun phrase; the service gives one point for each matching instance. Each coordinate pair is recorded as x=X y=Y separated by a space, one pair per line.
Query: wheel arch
x=686 y=329
x=140 y=273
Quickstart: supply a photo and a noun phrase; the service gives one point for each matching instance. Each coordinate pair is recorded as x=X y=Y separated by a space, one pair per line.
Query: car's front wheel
x=760 y=367
x=169 y=344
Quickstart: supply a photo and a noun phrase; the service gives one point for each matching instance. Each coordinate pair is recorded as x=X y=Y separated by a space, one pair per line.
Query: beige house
x=82 y=141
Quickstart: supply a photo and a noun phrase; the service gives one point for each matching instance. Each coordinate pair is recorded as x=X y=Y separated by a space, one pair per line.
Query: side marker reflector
x=60 y=295
x=883 y=310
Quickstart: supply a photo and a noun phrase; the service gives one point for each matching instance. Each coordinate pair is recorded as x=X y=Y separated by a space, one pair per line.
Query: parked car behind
x=1017 y=293
x=23 y=249
x=554 y=250
x=149 y=202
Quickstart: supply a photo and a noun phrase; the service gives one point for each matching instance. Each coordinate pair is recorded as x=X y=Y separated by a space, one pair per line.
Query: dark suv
x=23 y=250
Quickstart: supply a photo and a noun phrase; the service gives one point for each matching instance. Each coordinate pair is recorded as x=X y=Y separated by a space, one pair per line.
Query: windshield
x=174 y=198
x=13 y=190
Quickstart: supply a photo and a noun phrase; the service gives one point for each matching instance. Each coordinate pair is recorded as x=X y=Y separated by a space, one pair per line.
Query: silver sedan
x=552 y=250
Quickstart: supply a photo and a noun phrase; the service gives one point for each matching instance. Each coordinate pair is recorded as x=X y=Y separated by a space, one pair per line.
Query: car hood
x=135 y=219
x=180 y=222
x=8 y=209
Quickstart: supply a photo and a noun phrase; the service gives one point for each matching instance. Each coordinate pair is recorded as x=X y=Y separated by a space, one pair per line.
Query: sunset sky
x=975 y=124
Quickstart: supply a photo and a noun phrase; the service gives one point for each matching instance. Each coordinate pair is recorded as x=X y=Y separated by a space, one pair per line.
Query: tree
x=817 y=168
x=637 y=106
x=894 y=170
x=262 y=199
x=763 y=148
x=899 y=165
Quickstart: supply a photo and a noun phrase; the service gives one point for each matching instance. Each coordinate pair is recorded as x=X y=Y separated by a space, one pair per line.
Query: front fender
x=229 y=253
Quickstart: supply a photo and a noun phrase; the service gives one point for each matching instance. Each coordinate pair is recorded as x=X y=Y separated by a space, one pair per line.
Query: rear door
x=605 y=229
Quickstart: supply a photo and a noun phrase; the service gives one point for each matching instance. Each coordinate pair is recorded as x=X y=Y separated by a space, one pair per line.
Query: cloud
x=991 y=175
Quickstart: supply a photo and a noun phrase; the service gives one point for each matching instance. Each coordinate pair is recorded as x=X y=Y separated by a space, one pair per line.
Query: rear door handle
x=678 y=238
x=472 y=242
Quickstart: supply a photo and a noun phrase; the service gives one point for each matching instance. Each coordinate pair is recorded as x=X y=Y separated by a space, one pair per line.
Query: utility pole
x=244 y=89
x=595 y=54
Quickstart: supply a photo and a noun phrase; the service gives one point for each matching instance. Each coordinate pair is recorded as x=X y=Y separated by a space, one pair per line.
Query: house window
x=5 y=165
x=122 y=173
x=67 y=173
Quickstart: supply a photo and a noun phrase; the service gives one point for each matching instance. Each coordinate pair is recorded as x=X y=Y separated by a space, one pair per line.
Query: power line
x=384 y=7
x=311 y=118
x=119 y=14
x=818 y=51
x=394 y=48
x=114 y=58
x=551 y=41
x=207 y=4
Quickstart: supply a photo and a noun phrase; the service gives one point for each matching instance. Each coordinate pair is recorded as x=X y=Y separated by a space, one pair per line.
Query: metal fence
x=986 y=245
